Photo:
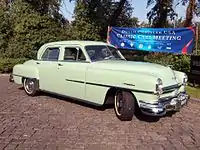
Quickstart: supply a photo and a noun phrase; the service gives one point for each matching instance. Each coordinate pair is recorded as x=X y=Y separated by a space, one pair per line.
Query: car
x=97 y=73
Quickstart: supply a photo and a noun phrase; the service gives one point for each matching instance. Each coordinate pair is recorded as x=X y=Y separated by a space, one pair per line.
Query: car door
x=48 y=67
x=72 y=72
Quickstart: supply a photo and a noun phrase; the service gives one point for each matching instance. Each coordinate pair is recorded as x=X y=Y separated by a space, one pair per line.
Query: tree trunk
x=164 y=8
x=189 y=13
x=161 y=20
x=116 y=13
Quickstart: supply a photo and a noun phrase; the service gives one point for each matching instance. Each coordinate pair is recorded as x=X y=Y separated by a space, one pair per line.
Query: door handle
x=60 y=64
x=37 y=63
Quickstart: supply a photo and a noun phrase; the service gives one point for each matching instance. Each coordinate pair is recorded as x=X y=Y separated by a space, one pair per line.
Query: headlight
x=185 y=79
x=159 y=86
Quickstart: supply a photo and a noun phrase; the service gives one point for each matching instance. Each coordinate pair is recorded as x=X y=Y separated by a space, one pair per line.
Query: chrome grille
x=171 y=88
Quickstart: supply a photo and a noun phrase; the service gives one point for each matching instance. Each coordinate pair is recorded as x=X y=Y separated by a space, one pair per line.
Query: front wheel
x=30 y=86
x=124 y=105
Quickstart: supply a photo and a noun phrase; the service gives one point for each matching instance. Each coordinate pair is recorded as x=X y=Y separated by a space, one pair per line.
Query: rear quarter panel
x=24 y=70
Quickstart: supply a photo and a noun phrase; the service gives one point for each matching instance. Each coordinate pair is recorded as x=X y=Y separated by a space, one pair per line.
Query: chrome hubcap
x=29 y=85
x=119 y=102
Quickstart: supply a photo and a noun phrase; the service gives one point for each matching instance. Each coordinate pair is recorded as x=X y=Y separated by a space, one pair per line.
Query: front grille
x=171 y=88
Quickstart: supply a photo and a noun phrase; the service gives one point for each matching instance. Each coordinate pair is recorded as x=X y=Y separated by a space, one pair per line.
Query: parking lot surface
x=52 y=122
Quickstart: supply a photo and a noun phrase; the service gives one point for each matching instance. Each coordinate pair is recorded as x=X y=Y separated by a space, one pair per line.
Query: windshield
x=102 y=52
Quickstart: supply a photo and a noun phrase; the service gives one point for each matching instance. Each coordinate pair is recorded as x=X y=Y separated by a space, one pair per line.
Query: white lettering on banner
x=179 y=38
x=149 y=37
x=124 y=32
x=171 y=32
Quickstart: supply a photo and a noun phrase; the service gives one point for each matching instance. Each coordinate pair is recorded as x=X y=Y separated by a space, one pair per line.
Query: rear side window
x=73 y=54
x=51 y=54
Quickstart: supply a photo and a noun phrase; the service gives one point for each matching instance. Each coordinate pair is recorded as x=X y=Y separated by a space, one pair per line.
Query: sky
x=139 y=11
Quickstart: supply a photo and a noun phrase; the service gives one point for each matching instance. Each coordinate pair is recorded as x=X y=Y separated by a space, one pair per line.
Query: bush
x=7 y=64
x=177 y=62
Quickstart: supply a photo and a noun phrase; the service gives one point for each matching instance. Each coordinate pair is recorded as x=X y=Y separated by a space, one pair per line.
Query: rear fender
x=21 y=71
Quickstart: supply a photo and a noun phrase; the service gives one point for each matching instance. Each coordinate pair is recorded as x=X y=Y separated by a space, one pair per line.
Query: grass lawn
x=194 y=92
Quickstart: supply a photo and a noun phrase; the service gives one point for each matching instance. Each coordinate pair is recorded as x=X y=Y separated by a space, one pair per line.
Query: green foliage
x=5 y=30
x=92 y=18
x=160 y=12
x=85 y=29
x=177 y=62
x=7 y=64
x=30 y=30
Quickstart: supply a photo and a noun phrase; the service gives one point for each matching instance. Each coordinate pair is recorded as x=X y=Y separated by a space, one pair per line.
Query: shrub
x=7 y=64
x=177 y=62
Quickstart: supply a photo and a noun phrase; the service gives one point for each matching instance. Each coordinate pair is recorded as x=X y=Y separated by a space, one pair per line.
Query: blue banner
x=170 y=40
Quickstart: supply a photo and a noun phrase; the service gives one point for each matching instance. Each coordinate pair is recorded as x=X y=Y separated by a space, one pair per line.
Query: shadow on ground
x=139 y=115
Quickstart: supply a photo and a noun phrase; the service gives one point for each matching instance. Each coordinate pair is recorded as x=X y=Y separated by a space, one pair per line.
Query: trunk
x=189 y=13
x=116 y=13
x=161 y=20
x=164 y=8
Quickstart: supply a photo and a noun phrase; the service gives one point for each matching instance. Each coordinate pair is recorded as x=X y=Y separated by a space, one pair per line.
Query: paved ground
x=47 y=122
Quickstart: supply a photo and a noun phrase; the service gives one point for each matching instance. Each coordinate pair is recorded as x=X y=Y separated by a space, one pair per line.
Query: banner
x=170 y=40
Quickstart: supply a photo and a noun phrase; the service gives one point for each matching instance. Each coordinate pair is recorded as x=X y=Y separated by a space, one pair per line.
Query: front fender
x=179 y=75
x=99 y=81
x=123 y=79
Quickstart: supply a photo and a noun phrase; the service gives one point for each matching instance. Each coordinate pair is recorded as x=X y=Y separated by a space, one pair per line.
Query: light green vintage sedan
x=97 y=73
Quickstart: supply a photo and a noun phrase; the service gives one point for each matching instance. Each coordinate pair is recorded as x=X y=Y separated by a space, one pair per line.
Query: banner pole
x=197 y=35
x=107 y=39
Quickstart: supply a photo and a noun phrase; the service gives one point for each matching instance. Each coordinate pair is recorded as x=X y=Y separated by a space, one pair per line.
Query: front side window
x=74 y=54
x=102 y=52
x=51 y=54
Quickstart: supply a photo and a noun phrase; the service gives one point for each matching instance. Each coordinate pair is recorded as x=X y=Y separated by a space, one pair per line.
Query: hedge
x=6 y=64
x=177 y=62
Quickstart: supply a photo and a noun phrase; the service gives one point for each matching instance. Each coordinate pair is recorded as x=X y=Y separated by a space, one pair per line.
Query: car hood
x=159 y=71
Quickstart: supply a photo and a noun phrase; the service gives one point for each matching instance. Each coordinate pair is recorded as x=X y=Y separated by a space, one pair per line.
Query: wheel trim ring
x=116 y=107
x=27 y=84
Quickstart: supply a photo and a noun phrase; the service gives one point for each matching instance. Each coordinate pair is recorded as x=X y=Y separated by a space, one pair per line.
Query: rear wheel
x=30 y=86
x=124 y=103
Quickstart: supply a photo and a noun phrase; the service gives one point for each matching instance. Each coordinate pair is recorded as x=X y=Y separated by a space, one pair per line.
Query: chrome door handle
x=60 y=64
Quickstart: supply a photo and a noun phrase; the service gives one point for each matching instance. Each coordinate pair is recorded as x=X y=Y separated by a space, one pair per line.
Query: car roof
x=82 y=43
x=77 y=42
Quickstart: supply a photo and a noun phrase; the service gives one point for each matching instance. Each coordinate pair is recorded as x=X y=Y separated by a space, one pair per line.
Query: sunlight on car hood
x=165 y=73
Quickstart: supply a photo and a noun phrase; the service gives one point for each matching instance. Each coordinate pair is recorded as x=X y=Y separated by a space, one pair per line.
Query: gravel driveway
x=51 y=122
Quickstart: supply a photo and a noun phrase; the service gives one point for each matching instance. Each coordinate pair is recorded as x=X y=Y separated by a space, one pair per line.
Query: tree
x=5 y=30
x=160 y=12
x=92 y=18
x=30 y=30
x=193 y=8
x=48 y=7
x=116 y=13
x=84 y=27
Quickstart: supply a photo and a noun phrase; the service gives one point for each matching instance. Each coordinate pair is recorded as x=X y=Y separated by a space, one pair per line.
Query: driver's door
x=72 y=72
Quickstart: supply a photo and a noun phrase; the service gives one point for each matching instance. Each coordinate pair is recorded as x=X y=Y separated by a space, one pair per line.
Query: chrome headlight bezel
x=159 y=86
x=185 y=79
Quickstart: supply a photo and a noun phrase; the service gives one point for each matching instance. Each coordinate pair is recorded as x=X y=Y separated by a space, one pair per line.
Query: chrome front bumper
x=164 y=105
